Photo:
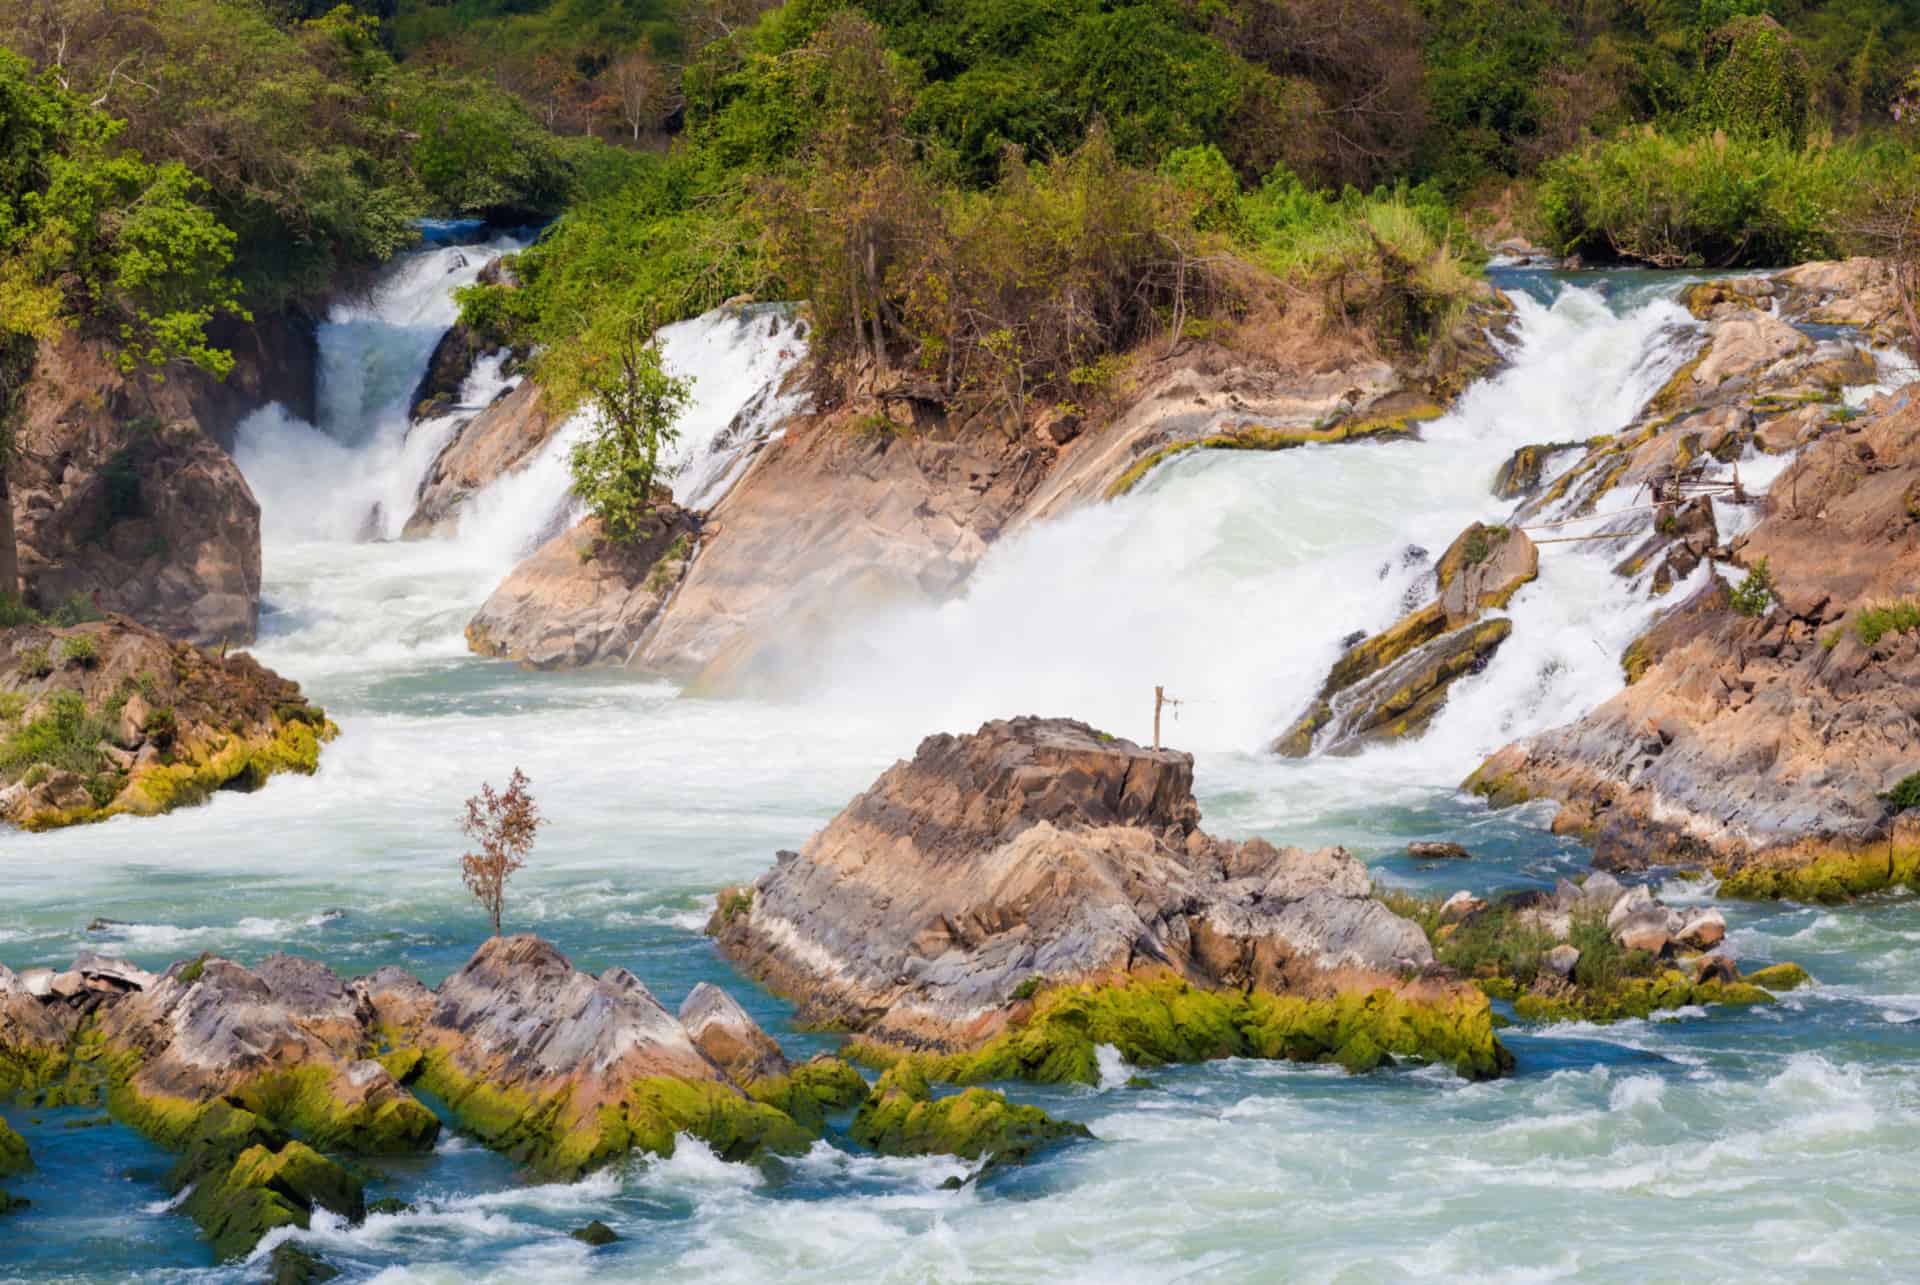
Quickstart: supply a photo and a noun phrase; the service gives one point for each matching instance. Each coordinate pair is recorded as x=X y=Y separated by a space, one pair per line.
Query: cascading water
x=1230 y=578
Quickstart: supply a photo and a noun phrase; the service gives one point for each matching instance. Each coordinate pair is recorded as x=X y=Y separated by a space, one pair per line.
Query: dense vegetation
x=989 y=197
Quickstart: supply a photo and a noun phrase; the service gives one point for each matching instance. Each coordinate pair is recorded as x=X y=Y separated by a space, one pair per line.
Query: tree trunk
x=9 y=549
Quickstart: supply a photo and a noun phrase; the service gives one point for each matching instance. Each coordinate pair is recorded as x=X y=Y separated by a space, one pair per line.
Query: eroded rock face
x=167 y=723
x=1390 y=686
x=1039 y=852
x=499 y=440
x=123 y=494
x=582 y=600
x=1760 y=746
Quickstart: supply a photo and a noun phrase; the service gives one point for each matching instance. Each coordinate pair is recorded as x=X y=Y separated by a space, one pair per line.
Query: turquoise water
x=1771 y=1143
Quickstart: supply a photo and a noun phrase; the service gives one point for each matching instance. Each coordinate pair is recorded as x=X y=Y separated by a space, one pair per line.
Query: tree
x=640 y=86
x=503 y=824
x=637 y=403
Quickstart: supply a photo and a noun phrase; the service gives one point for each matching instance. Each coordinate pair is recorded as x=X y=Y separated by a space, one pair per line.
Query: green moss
x=1635 y=997
x=14 y=1156
x=1677 y=392
x=1833 y=875
x=1257 y=438
x=265 y=1189
x=1779 y=977
x=1499 y=789
x=903 y=1118
x=549 y=1135
x=1158 y=1020
x=812 y=1091
x=300 y=1100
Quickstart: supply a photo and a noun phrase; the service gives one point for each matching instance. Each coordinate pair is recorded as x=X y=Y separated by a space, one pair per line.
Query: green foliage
x=14 y=611
x=1755 y=82
x=75 y=609
x=1028 y=989
x=79 y=650
x=1874 y=623
x=67 y=737
x=615 y=466
x=1713 y=201
x=1905 y=793
x=35 y=662
x=1754 y=594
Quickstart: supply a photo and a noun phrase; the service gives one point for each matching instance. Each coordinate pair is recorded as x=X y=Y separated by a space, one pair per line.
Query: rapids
x=1768 y=1143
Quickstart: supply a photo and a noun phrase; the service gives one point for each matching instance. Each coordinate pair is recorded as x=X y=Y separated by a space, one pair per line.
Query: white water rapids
x=1770 y=1143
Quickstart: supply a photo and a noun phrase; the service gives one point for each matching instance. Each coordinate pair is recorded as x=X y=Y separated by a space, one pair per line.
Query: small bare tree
x=503 y=824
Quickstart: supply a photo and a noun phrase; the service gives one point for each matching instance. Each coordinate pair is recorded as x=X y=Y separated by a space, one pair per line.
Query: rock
x=581 y=600
x=14 y=1156
x=1779 y=977
x=1390 y=686
x=292 y=1265
x=1716 y=968
x=1631 y=902
x=225 y=722
x=1562 y=959
x=1460 y=905
x=1040 y=853
x=130 y=729
x=282 y=1042
x=1556 y=924
x=564 y=1071
x=390 y=1205
x=11 y=1204
x=725 y=1033
x=1428 y=851
x=236 y=1204
x=117 y=974
x=1648 y=930
x=500 y=440
x=1703 y=930
x=396 y=1001
x=1602 y=890
x=123 y=493
x=595 y=1233
x=1522 y=474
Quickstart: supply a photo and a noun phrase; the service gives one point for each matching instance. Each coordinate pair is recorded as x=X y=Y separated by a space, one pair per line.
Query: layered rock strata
x=112 y=718
x=1389 y=686
x=1011 y=898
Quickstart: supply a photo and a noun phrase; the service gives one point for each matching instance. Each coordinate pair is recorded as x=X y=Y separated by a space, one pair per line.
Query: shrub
x=67 y=736
x=1710 y=201
x=1752 y=596
x=12 y=705
x=76 y=609
x=1029 y=988
x=35 y=662
x=615 y=467
x=1603 y=963
x=1754 y=82
x=1905 y=794
x=14 y=612
x=1875 y=623
x=160 y=726
x=79 y=650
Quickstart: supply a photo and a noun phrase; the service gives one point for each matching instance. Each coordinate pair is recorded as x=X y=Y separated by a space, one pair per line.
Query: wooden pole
x=1159 y=699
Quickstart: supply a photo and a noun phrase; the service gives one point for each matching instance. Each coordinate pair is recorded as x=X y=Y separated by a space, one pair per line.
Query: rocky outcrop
x=583 y=600
x=1596 y=951
x=1760 y=746
x=123 y=492
x=499 y=440
x=1012 y=897
x=1390 y=686
x=111 y=717
x=454 y=356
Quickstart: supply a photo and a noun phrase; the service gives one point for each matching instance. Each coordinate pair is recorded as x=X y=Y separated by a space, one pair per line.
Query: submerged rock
x=1433 y=851
x=14 y=1156
x=292 y=1265
x=904 y=1118
x=595 y=1233
x=974 y=896
x=124 y=721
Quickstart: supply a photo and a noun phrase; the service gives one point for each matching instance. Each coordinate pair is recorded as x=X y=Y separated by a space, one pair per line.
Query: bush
x=35 y=662
x=614 y=468
x=76 y=609
x=1752 y=596
x=79 y=650
x=1754 y=82
x=1905 y=794
x=1713 y=201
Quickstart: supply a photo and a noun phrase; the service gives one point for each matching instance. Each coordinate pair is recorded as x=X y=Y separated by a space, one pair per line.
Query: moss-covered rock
x=1778 y=977
x=1255 y=437
x=812 y=1091
x=595 y=1233
x=303 y=1101
x=903 y=1118
x=1824 y=874
x=14 y=1156
x=1633 y=997
x=293 y=1265
x=1161 y=1019
x=264 y=1190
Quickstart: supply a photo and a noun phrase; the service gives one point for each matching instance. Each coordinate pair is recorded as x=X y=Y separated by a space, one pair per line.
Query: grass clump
x=67 y=736
x=1875 y=623
x=1905 y=793
x=79 y=650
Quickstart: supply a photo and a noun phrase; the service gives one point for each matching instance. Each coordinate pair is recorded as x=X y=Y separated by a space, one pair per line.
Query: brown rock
x=500 y=440
x=1428 y=851
x=726 y=1034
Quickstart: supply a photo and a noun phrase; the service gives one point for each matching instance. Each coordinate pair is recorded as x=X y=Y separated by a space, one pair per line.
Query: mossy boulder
x=14 y=1156
x=1824 y=875
x=595 y=1233
x=1260 y=437
x=903 y=1118
x=812 y=1091
x=1779 y=977
x=264 y=1190
x=293 y=1265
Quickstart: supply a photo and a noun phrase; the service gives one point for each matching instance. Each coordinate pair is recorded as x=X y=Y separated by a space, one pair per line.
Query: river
x=1767 y=1143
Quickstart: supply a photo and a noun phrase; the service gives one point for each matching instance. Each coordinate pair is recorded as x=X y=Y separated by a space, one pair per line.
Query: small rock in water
x=1562 y=959
x=388 y=1205
x=292 y=1265
x=1435 y=851
x=104 y=925
x=595 y=1233
x=1353 y=639
x=12 y=1204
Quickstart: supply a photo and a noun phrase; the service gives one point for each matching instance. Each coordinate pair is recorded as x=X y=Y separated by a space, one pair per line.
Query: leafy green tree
x=637 y=405
x=1754 y=82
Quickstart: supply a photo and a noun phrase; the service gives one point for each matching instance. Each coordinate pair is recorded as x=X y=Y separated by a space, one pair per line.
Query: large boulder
x=1038 y=854
x=565 y=1071
x=582 y=599
x=128 y=721
x=499 y=440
